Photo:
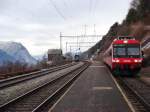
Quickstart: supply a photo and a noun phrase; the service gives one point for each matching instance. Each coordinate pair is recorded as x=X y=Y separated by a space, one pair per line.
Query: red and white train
x=124 y=56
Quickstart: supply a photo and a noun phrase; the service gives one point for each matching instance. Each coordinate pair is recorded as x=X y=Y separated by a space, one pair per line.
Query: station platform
x=94 y=91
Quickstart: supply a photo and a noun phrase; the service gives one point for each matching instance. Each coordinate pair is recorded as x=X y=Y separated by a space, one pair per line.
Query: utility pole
x=70 y=48
x=85 y=29
x=94 y=29
x=60 y=40
x=66 y=46
x=77 y=41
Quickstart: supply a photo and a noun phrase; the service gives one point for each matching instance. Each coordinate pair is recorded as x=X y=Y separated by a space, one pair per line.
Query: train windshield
x=133 y=51
x=130 y=51
x=119 y=51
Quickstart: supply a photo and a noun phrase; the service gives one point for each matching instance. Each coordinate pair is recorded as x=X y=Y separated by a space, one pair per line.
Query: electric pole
x=60 y=40
x=85 y=26
x=66 y=46
x=94 y=29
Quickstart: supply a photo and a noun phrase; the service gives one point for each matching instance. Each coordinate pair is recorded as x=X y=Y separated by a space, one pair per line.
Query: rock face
x=13 y=51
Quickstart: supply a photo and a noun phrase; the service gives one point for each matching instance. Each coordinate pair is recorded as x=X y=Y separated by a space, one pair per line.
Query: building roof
x=54 y=51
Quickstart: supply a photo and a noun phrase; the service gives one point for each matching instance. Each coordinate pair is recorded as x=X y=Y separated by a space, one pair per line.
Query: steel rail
x=19 y=98
x=14 y=80
x=135 y=93
x=59 y=91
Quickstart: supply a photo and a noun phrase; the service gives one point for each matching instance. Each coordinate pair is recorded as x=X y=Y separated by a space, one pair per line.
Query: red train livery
x=124 y=55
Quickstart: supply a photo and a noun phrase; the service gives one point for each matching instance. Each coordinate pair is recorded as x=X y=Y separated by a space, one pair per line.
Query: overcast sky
x=37 y=23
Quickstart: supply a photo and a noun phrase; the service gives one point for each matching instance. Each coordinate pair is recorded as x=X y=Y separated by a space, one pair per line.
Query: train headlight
x=125 y=41
x=137 y=61
x=116 y=61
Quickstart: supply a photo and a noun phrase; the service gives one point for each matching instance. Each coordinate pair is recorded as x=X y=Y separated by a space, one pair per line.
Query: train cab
x=126 y=55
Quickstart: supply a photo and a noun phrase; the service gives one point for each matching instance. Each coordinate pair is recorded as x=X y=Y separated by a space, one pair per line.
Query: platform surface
x=93 y=91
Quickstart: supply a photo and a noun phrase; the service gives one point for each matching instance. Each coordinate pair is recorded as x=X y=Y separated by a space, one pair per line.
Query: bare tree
x=135 y=4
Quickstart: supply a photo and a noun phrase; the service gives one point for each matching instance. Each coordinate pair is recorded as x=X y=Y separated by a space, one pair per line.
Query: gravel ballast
x=16 y=90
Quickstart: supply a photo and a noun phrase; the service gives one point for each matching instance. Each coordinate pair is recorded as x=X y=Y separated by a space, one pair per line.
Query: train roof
x=126 y=41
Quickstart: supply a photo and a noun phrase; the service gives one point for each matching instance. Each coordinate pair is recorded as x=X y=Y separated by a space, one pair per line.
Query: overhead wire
x=57 y=10
x=95 y=6
x=67 y=6
x=90 y=6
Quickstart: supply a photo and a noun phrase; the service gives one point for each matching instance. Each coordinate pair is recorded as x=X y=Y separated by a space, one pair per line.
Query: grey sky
x=37 y=23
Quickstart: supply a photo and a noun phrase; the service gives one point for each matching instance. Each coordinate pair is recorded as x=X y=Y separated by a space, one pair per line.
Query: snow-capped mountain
x=17 y=51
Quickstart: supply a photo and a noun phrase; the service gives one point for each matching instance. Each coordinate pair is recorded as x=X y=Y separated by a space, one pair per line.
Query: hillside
x=135 y=24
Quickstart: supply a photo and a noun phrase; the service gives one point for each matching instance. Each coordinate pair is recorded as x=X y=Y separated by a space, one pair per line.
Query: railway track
x=44 y=96
x=137 y=91
x=14 y=80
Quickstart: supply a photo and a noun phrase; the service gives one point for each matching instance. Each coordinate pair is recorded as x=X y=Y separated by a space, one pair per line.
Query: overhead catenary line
x=94 y=8
x=57 y=10
x=90 y=6
x=67 y=6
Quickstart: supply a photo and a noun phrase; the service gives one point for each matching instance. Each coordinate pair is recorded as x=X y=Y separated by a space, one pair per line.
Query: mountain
x=40 y=57
x=17 y=51
x=4 y=57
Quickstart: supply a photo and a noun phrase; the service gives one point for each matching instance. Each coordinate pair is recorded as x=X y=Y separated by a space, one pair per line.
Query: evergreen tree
x=132 y=16
x=140 y=9
x=143 y=8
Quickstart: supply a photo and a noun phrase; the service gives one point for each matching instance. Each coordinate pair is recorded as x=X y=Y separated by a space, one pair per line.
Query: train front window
x=119 y=51
x=133 y=51
x=130 y=51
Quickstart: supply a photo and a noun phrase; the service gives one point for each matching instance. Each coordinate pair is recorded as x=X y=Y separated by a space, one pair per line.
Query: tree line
x=139 y=10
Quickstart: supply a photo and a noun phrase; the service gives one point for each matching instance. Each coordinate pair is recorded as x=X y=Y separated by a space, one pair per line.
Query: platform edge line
x=50 y=110
x=124 y=96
